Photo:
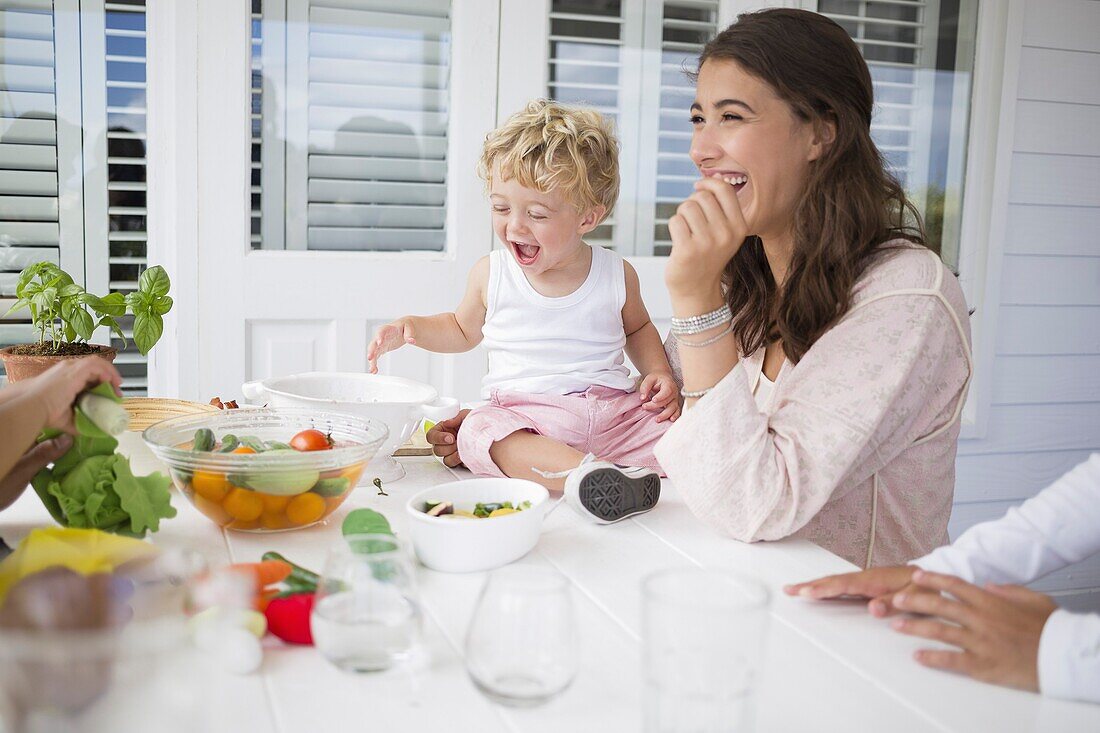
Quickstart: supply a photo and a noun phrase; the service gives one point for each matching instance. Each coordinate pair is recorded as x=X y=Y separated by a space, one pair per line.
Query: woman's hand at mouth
x=707 y=230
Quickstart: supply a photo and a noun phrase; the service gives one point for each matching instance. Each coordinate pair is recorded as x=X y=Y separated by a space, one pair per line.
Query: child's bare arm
x=444 y=333
x=643 y=345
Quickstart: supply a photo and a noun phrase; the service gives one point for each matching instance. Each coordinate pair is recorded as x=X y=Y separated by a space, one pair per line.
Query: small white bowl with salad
x=477 y=524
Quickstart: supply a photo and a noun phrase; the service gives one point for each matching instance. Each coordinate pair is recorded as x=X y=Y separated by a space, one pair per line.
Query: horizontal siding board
x=14 y=259
x=1055 y=179
x=1021 y=380
x=1029 y=329
x=1080 y=601
x=1053 y=127
x=1053 y=230
x=1059 y=76
x=1085 y=574
x=1064 y=24
x=1025 y=428
x=1039 y=280
x=1012 y=477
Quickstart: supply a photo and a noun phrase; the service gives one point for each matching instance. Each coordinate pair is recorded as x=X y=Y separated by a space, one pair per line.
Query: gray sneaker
x=606 y=492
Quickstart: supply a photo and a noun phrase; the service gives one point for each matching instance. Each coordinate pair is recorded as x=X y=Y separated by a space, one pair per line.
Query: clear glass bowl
x=266 y=492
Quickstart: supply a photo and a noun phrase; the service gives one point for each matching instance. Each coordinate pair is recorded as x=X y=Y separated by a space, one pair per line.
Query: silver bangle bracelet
x=705 y=322
x=689 y=395
x=708 y=342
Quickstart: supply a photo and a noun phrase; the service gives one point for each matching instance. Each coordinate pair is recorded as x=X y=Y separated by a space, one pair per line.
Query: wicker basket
x=144 y=411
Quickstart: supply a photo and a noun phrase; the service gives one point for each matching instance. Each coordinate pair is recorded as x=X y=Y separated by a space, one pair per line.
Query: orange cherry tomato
x=243 y=504
x=243 y=449
x=311 y=440
x=274 y=520
x=213 y=510
x=210 y=485
x=306 y=508
x=274 y=504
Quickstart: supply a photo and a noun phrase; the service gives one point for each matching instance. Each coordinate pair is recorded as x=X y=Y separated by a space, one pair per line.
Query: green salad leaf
x=92 y=486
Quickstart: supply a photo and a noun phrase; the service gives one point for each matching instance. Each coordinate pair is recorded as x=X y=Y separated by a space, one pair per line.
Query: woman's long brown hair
x=852 y=204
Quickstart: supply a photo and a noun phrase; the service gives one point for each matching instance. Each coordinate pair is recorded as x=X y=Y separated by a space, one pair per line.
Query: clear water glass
x=366 y=616
x=703 y=644
x=522 y=647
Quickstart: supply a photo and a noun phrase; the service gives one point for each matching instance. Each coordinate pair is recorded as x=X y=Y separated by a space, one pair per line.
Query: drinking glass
x=367 y=611
x=522 y=645
x=703 y=635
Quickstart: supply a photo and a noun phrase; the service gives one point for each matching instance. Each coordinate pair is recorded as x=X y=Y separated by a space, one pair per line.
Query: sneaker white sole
x=610 y=495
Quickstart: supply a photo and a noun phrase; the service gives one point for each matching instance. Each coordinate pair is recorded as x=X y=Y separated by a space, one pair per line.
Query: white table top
x=829 y=667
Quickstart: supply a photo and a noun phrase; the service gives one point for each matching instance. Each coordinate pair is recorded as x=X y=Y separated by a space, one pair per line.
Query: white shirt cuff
x=1069 y=656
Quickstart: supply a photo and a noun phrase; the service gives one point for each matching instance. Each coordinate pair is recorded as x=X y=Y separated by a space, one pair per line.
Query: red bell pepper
x=288 y=618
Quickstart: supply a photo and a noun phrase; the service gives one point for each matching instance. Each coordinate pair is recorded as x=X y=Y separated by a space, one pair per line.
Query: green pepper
x=229 y=443
x=276 y=445
x=204 y=440
x=331 y=486
x=251 y=441
x=299 y=577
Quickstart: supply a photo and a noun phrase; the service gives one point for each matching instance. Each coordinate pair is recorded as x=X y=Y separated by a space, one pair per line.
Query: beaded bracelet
x=708 y=342
x=705 y=322
x=689 y=395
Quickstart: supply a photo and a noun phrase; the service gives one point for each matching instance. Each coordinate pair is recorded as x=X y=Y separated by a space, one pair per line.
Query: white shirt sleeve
x=1057 y=527
x=1069 y=656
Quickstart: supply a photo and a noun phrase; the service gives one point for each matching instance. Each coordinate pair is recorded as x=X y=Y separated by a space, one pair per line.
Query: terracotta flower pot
x=25 y=366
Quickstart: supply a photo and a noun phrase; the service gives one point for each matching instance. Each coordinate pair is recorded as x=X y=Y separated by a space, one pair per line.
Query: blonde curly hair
x=550 y=146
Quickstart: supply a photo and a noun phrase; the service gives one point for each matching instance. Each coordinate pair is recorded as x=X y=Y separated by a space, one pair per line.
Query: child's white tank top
x=555 y=345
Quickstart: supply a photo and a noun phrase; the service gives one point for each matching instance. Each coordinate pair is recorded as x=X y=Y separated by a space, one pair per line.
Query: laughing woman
x=825 y=352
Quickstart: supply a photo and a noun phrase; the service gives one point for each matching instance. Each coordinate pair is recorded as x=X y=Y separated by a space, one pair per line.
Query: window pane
x=361 y=163
x=921 y=61
x=44 y=101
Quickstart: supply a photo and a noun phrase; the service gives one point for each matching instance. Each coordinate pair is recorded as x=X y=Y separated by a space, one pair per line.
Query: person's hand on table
x=996 y=628
x=878 y=585
x=443 y=438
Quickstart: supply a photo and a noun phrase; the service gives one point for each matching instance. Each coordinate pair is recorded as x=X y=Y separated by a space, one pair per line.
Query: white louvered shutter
x=587 y=66
x=361 y=125
x=684 y=26
x=124 y=27
x=898 y=40
x=29 y=212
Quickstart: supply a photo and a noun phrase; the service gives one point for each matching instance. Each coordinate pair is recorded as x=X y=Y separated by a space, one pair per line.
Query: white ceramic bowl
x=466 y=546
x=398 y=403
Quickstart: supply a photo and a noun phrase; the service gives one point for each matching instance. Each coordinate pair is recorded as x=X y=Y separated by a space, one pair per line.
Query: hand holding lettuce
x=92 y=486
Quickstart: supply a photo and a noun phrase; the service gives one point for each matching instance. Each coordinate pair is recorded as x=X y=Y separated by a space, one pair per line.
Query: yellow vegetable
x=85 y=551
x=501 y=512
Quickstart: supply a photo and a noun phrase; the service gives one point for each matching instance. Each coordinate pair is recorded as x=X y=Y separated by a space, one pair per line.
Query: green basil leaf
x=110 y=305
x=113 y=325
x=44 y=300
x=70 y=290
x=70 y=333
x=155 y=281
x=82 y=322
x=17 y=305
x=162 y=305
x=147 y=330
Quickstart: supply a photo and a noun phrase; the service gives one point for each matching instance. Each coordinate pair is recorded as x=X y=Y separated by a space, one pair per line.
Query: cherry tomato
x=310 y=440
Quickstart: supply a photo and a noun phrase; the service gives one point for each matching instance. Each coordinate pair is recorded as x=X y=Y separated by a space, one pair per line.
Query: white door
x=328 y=191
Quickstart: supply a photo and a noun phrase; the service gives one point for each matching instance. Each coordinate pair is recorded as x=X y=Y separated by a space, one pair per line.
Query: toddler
x=555 y=315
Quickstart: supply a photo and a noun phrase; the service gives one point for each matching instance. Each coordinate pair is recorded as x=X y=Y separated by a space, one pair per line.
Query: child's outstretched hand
x=389 y=338
x=660 y=393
